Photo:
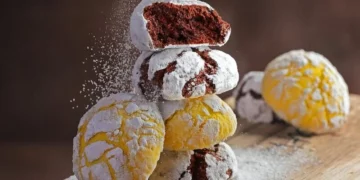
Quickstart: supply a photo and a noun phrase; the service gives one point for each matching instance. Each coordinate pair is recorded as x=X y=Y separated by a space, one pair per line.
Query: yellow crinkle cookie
x=197 y=123
x=121 y=137
x=307 y=91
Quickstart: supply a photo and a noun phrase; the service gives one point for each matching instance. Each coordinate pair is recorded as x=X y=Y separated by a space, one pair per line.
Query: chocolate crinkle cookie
x=161 y=24
x=216 y=163
x=177 y=74
x=249 y=101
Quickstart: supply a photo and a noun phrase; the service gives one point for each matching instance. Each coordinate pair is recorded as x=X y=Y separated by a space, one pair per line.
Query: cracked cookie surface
x=176 y=74
x=307 y=91
x=121 y=137
x=197 y=123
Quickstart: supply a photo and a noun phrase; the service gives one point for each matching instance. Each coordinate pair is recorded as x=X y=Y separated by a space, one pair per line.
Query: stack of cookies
x=179 y=71
x=174 y=126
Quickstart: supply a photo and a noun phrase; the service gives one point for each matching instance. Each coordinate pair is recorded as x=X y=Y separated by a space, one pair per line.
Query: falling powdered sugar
x=112 y=57
x=273 y=163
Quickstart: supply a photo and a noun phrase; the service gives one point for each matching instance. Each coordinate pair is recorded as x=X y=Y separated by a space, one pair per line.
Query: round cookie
x=307 y=91
x=177 y=74
x=197 y=123
x=161 y=24
x=121 y=137
x=216 y=163
x=249 y=101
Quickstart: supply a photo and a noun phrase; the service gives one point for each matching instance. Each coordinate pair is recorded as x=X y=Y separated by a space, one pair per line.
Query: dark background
x=43 y=45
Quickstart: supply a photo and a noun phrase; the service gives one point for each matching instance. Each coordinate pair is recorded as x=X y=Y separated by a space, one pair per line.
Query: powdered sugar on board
x=112 y=58
x=272 y=163
x=256 y=163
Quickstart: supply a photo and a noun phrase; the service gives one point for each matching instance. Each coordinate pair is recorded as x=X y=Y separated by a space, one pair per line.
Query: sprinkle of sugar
x=112 y=56
x=272 y=163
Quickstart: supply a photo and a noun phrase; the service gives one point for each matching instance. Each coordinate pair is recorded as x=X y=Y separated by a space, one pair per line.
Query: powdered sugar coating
x=138 y=26
x=249 y=101
x=173 y=165
x=176 y=165
x=307 y=91
x=227 y=75
x=204 y=122
x=219 y=169
x=168 y=108
x=113 y=136
x=189 y=66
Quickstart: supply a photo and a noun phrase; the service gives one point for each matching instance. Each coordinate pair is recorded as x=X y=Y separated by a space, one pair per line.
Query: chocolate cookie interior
x=170 y=24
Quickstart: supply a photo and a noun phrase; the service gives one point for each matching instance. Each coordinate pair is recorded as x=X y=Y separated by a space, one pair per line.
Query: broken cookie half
x=161 y=24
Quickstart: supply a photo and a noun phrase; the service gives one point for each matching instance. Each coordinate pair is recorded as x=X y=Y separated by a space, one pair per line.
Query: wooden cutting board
x=338 y=154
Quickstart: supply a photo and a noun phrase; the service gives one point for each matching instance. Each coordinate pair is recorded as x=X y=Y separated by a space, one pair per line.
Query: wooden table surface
x=339 y=153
